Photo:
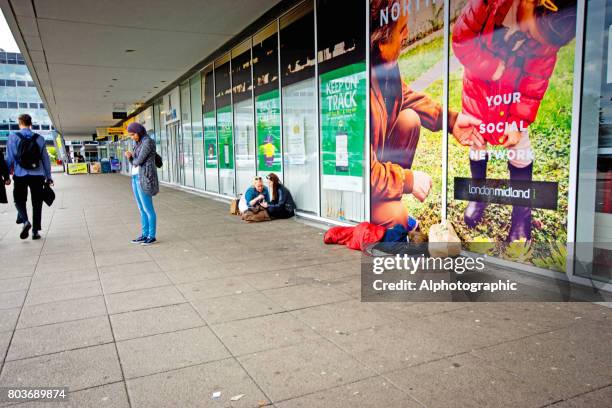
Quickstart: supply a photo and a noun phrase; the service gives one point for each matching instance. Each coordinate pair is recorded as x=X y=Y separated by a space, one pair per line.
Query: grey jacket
x=144 y=158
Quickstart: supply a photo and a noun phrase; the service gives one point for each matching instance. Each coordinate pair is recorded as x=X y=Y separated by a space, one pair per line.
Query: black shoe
x=35 y=234
x=25 y=231
x=139 y=240
x=148 y=241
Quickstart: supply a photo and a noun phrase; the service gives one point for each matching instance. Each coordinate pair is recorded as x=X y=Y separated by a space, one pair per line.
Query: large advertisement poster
x=343 y=127
x=210 y=140
x=226 y=146
x=406 y=114
x=512 y=70
x=267 y=111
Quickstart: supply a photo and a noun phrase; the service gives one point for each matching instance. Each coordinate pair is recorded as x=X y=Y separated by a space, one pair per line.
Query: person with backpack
x=28 y=159
x=145 y=182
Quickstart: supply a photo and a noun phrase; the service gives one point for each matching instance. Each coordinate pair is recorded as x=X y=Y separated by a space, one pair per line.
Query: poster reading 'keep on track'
x=343 y=95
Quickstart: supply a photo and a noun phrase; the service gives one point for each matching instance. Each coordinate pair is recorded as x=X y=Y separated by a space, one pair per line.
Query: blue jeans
x=148 y=218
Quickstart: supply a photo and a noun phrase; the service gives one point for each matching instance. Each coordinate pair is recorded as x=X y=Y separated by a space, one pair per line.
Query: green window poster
x=210 y=140
x=226 y=144
x=343 y=110
x=267 y=107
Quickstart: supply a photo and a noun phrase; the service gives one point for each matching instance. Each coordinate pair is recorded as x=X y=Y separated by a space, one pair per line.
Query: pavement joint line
x=170 y=370
x=552 y=404
x=129 y=400
x=60 y=322
x=336 y=387
x=200 y=326
x=53 y=353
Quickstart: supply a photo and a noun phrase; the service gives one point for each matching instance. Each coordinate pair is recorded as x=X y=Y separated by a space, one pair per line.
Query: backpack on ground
x=29 y=153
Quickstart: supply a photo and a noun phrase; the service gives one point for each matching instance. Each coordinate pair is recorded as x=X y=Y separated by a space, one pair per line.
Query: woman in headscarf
x=144 y=181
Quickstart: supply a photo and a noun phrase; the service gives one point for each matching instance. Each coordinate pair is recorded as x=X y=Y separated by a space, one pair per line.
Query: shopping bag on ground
x=234 y=207
x=443 y=240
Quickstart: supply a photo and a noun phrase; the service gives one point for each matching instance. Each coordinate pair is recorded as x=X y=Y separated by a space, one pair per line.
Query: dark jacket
x=144 y=158
x=284 y=201
x=4 y=175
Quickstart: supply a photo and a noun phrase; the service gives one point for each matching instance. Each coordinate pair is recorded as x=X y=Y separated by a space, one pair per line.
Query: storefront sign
x=343 y=127
x=77 y=168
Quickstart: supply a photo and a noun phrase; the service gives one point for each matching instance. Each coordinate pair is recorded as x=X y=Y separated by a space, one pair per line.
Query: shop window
x=41 y=106
x=267 y=101
x=31 y=84
x=225 y=134
x=187 y=135
x=23 y=105
x=299 y=96
x=10 y=82
x=594 y=206
x=12 y=105
x=342 y=92
x=197 y=131
x=3 y=105
x=209 y=122
x=244 y=130
x=33 y=105
x=21 y=83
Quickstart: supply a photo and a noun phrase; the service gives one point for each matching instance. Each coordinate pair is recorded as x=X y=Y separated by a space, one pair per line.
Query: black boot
x=521 y=216
x=475 y=209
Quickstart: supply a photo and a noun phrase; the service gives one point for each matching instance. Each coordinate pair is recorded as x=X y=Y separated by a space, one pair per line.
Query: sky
x=6 y=38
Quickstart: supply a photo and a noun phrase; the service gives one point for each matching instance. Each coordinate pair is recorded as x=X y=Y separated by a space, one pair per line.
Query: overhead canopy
x=78 y=51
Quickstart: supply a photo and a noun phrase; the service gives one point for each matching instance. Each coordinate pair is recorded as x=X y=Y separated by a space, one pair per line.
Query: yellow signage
x=77 y=168
x=115 y=131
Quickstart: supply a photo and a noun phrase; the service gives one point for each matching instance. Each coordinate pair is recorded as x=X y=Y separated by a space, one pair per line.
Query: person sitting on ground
x=257 y=193
x=281 y=205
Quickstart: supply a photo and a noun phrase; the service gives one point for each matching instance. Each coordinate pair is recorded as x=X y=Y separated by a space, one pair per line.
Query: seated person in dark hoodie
x=281 y=204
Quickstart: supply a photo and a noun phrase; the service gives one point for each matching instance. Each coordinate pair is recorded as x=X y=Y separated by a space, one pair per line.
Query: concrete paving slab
x=129 y=269
x=293 y=371
x=75 y=369
x=596 y=399
x=466 y=381
x=263 y=333
x=193 y=387
x=135 y=254
x=169 y=351
x=13 y=284
x=9 y=300
x=235 y=307
x=57 y=278
x=302 y=296
x=64 y=292
x=61 y=311
x=53 y=338
x=212 y=288
x=344 y=317
x=8 y=319
x=126 y=283
x=143 y=299
x=156 y=320
x=373 y=392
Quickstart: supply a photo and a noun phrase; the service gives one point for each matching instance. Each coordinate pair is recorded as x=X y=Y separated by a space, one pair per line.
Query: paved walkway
x=265 y=311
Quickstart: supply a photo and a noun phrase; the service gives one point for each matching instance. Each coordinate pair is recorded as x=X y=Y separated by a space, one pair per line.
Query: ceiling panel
x=78 y=49
x=196 y=16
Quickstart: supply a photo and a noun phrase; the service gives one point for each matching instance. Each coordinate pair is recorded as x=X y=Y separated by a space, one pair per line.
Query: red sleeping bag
x=357 y=237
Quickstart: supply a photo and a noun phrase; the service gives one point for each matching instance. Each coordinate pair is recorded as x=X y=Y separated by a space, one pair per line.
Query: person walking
x=145 y=183
x=27 y=157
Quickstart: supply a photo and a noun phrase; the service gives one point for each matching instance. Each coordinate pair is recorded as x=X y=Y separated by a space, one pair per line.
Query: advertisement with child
x=510 y=103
